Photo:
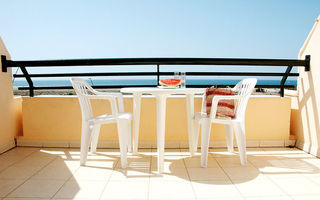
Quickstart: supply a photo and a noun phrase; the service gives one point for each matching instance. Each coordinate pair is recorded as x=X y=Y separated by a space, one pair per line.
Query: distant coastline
x=144 y=81
x=141 y=82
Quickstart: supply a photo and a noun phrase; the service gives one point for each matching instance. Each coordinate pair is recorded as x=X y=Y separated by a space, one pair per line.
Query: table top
x=160 y=90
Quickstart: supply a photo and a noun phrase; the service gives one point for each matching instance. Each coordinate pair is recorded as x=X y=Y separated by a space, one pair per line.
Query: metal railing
x=289 y=63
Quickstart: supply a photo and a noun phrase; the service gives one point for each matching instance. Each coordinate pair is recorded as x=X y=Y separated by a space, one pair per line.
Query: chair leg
x=95 y=136
x=196 y=135
x=205 y=138
x=241 y=141
x=229 y=136
x=85 y=141
x=123 y=141
x=128 y=131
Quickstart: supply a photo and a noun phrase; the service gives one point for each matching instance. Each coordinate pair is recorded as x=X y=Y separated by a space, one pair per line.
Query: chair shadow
x=140 y=165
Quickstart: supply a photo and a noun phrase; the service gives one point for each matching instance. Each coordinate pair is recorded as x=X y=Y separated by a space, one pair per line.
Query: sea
x=148 y=81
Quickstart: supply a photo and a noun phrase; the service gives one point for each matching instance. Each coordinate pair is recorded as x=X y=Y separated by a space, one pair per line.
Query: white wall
x=307 y=109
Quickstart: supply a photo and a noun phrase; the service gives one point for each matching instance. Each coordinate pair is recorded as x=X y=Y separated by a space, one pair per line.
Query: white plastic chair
x=91 y=125
x=243 y=90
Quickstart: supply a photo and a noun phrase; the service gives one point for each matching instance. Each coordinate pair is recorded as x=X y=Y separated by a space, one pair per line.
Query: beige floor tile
x=81 y=189
x=297 y=186
x=26 y=199
x=261 y=186
x=36 y=161
x=206 y=174
x=7 y=186
x=102 y=164
x=306 y=197
x=19 y=172
x=170 y=190
x=195 y=162
x=13 y=156
x=261 y=162
x=23 y=151
x=170 y=163
x=284 y=197
x=137 y=163
x=173 y=174
x=242 y=173
x=215 y=190
x=221 y=153
x=37 y=188
x=315 y=162
x=92 y=173
x=126 y=190
x=130 y=174
x=56 y=172
x=231 y=162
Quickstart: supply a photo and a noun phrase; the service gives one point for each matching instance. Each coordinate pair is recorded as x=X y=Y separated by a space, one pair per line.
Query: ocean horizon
x=128 y=82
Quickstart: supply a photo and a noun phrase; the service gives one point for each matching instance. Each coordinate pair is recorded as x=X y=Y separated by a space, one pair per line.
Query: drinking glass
x=183 y=79
x=176 y=74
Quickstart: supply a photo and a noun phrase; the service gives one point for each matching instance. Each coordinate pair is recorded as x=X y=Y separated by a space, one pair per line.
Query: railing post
x=158 y=74
x=283 y=81
x=31 y=87
x=4 y=63
x=307 y=67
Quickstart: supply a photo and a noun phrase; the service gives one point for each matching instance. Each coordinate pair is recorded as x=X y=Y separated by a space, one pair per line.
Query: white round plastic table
x=161 y=95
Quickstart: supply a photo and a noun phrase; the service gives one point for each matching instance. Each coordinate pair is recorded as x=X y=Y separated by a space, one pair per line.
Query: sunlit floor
x=271 y=173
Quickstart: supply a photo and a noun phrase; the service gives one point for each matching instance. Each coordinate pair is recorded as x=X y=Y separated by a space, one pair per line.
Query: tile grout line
x=270 y=178
x=31 y=175
x=185 y=166
x=107 y=182
x=242 y=196
x=71 y=178
x=15 y=161
x=64 y=183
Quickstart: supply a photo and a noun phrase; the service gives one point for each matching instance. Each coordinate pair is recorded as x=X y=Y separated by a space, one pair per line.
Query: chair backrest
x=82 y=89
x=244 y=89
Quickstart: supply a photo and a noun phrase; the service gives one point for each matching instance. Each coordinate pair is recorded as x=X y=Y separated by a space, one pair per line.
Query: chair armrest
x=107 y=97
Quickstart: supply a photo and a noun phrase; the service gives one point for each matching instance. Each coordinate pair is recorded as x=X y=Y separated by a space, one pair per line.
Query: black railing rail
x=289 y=63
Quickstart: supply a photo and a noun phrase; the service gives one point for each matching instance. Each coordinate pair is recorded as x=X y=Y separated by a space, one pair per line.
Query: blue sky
x=69 y=29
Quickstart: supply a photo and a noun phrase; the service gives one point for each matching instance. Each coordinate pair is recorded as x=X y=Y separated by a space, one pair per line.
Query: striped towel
x=225 y=106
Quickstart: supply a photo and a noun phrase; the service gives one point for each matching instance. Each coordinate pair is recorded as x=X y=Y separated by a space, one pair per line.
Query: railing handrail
x=156 y=61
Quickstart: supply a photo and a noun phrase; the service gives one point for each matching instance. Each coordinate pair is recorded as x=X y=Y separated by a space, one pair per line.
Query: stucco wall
x=306 y=119
x=47 y=118
x=7 y=117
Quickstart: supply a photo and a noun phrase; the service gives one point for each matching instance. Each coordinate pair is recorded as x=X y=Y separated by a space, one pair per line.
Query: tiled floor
x=271 y=173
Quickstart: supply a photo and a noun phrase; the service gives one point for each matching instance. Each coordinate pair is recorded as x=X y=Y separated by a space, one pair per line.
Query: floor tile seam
x=106 y=184
x=193 y=189
x=16 y=160
x=310 y=179
x=241 y=195
x=29 y=178
x=65 y=181
x=278 y=186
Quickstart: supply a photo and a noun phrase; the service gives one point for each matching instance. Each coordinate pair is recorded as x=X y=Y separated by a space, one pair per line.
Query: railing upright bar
x=31 y=87
x=283 y=81
x=307 y=66
x=158 y=74
x=4 y=63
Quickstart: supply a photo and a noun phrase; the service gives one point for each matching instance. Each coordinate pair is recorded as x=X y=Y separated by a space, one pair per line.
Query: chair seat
x=106 y=119
x=202 y=115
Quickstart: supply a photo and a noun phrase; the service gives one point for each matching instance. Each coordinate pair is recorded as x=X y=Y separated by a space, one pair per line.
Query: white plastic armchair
x=243 y=91
x=91 y=125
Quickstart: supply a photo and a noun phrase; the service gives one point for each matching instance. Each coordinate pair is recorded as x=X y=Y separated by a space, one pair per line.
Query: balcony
x=39 y=146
